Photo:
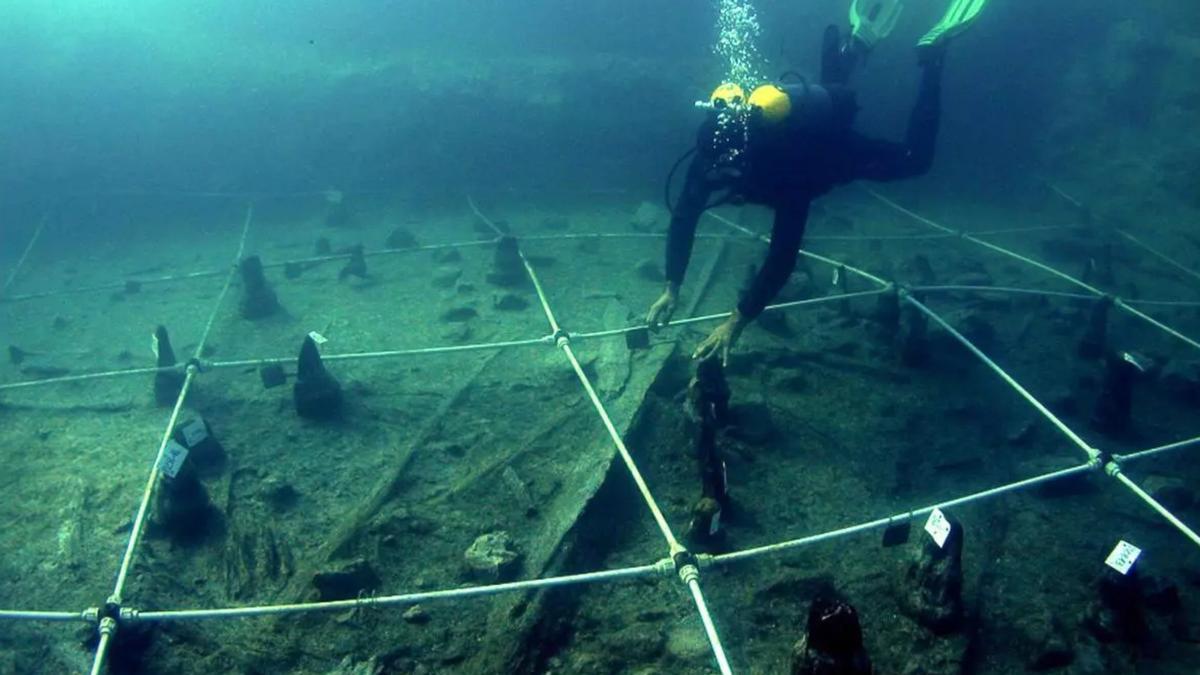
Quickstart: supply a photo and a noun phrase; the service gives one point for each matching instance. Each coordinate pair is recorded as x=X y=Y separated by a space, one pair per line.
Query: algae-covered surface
x=433 y=451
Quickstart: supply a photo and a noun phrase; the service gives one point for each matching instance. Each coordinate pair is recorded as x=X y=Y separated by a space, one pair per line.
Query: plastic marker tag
x=837 y=276
x=194 y=432
x=1123 y=556
x=318 y=338
x=154 y=344
x=172 y=460
x=938 y=527
x=714 y=526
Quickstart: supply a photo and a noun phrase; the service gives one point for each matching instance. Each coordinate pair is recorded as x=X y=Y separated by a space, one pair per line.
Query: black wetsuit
x=788 y=166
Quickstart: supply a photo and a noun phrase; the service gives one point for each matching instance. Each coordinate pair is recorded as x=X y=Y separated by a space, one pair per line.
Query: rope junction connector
x=561 y=338
x=109 y=616
x=665 y=566
x=1112 y=468
x=90 y=615
x=195 y=366
x=687 y=566
x=111 y=608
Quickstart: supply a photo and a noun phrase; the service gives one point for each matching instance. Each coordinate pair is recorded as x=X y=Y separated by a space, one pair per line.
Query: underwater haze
x=485 y=336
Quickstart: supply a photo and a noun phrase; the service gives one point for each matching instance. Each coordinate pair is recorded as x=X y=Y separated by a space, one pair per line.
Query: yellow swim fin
x=872 y=20
x=958 y=18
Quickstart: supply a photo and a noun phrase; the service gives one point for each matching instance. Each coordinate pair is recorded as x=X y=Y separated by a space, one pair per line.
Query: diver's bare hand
x=664 y=308
x=722 y=339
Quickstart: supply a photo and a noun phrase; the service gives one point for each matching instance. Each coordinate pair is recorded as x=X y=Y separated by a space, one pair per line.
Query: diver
x=788 y=143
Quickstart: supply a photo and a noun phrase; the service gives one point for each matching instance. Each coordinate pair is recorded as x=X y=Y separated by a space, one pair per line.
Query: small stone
x=459 y=334
x=650 y=271
x=401 y=238
x=347 y=582
x=492 y=557
x=293 y=270
x=459 y=314
x=649 y=217
x=279 y=495
x=686 y=641
x=509 y=302
x=415 y=615
x=446 y=276
x=1171 y=491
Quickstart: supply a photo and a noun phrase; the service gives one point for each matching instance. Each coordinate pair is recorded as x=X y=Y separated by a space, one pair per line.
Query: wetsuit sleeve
x=791 y=216
x=874 y=159
x=686 y=216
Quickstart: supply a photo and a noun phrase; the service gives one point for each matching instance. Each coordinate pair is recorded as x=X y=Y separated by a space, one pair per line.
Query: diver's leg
x=926 y=115
x=838 y=57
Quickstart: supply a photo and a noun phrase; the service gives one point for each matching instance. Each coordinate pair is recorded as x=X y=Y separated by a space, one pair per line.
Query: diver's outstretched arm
x=682 y=234
x=787 y=233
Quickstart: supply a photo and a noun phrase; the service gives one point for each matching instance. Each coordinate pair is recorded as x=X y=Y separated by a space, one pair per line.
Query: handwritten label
x=318 y=338
x=172 y=459
x=1123 y=556
x=194 y=432
x=938 y=527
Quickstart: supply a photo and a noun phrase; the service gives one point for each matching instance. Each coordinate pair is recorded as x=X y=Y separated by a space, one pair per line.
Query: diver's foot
x=958 y=18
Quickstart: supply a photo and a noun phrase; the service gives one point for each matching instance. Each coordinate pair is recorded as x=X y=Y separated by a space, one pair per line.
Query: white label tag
x=172 y=459
x=194 y=432
x=1123 y=556
x=318 y=338
x=714 y=525
x=725 y=478
x=154 y=344
x=938 y=527
x=837 y=276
